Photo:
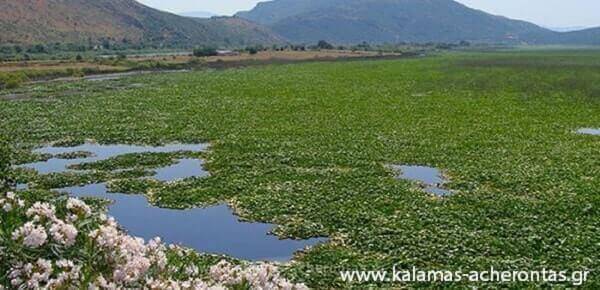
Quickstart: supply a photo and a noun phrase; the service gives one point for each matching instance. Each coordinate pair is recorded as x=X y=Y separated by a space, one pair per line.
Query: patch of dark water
x=589 y=131
x=99 y=153
x=214 y=229
x=184 y=168
x=431 y=178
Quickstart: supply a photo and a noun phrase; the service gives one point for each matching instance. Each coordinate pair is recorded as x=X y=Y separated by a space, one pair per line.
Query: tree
x=105 y=44
x=252 y=50
x=324 y=45
x=205 y=51
x=364 y=46
x=464 y=43
x=38 y=48
x=6 y=50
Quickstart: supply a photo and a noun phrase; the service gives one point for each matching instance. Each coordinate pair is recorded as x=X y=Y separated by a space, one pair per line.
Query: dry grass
x=55 y=65
x=263 y=56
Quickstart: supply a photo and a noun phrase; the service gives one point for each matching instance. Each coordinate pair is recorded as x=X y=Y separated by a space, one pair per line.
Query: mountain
x=378 y=21
x=197 y=14
x=590 y=36
x=92 y=21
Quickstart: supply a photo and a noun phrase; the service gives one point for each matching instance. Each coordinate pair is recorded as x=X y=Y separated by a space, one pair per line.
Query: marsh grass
x=306 y=146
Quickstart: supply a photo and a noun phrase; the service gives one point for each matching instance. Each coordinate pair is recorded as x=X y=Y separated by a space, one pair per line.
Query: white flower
x=11 y=195
x=68 y=277
x=63 y=233
x=78 y=207
x=124 y=262
x=132 y=270
x=40 y=211
x=259 y=276
x=225 y=273
x=33 y=235
x=106 y=236
x=192 y=270
x=11 y=202
x=31 y=276
x=102 y=283
x=6 y=206
x=156 y=252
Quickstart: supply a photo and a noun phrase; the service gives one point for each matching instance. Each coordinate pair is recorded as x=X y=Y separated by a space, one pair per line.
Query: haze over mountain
x=590 y=36
x=568 y=28
x=378 y=21
x=197 y=14
x=77 y=21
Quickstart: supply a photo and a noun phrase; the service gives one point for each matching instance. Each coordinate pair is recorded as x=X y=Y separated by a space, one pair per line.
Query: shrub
x=252 y=50
x=205 y=51
x=77 y=73
x=195 y=62
x=38 y=48
x=64 y=243
x=12 y=80
x=324 y=45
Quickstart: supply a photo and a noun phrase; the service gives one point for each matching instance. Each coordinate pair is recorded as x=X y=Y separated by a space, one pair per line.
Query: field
x=306 y=146
x=36 y=70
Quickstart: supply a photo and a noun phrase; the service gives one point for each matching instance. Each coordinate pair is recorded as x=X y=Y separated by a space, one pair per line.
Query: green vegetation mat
x=306 y=146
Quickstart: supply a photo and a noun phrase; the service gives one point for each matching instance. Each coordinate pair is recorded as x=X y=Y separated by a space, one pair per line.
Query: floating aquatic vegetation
x=214 y=230
x=530 y=187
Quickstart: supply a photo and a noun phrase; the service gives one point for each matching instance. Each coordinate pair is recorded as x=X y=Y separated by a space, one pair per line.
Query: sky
x=549 y=13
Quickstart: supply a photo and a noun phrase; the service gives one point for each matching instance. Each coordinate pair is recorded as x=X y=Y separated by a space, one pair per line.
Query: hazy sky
x=553 y=13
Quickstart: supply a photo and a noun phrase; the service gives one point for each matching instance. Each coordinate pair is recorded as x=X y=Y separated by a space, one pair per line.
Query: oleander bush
x=55 y=242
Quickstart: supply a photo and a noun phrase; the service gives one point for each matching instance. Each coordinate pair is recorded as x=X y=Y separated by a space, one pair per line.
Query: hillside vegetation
x=353 y=21
x=121 y=21
x=588 y=36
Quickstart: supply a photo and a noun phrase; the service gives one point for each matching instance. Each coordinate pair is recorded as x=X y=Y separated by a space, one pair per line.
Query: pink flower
x=107 y=236
x=11 y=202
x=32 y=276
x=68 y=277
x=78 y=207
x=40 y=211
x=33 y=235
x=63 y=233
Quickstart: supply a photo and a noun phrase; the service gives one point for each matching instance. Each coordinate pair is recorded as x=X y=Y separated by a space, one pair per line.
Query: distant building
x=227 y=53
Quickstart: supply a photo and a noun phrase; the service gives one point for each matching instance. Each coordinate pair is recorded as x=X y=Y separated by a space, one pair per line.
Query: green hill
x=589 y=36
x=91 y=21
x=379 y=21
